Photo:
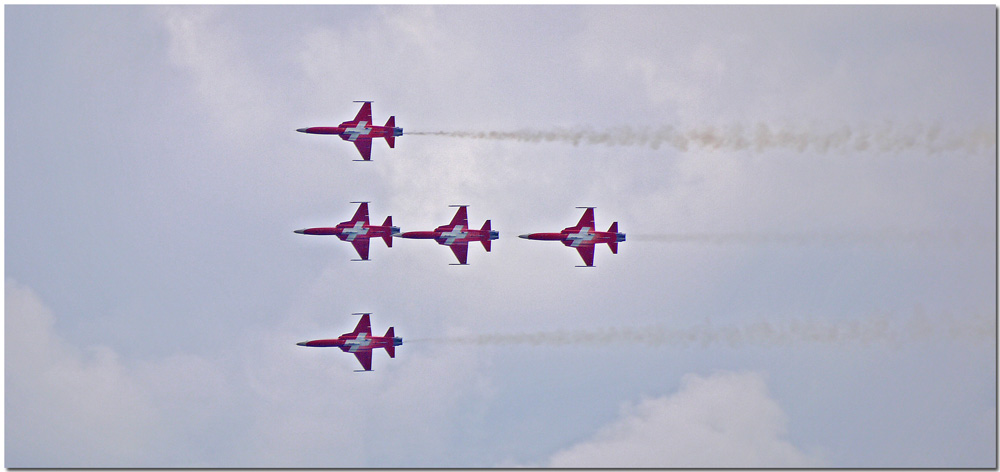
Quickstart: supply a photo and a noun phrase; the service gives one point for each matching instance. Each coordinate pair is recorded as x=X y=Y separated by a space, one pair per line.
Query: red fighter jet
x=360 y=131
x=457 y=235
x=583 y=237
x=360 y=342
x=358 y=231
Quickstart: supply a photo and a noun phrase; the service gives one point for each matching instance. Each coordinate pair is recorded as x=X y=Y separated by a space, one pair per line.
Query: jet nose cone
x=303 y=343
x=524 y=236
x=303 y=130
x=299 y=231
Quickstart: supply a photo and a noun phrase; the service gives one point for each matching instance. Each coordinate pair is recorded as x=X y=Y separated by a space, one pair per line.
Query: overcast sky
x=809 y=195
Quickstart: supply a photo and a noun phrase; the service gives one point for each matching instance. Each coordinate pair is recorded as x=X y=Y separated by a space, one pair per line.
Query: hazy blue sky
x=808 y=192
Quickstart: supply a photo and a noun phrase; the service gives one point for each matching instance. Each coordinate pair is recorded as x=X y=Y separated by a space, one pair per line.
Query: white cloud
x=722 y=420
x=67 y=407
x=199 y=44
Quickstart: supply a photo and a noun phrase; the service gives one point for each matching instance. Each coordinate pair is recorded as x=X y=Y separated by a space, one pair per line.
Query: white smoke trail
x=885 y=138
x=879 y=329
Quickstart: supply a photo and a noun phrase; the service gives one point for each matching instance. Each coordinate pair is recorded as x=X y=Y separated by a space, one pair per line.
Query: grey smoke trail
x=873 y=330
x=884 y=138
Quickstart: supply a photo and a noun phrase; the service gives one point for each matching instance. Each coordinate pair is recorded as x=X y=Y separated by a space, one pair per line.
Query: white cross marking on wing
x=357 y=130
x=357 y=230
x=581 y=237
x=456 y=233
x=361 y=341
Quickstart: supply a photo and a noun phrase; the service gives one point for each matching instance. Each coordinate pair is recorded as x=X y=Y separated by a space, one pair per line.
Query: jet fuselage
x=348 y=231
x=449 y=235
x=349 y=131
x=355 y=342
x=578 y=236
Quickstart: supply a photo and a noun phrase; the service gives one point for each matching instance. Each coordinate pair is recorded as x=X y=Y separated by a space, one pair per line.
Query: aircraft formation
x=457 y=234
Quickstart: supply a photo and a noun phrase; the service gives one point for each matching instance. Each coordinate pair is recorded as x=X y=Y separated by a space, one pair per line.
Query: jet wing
x=587 y=220
x=587 y=253
x=365 y=113
x=361 y=245
x=364 y=147
x=461 y=218
x=365 y=358
x=461 y=251
x=364 y=325
x=361 y=214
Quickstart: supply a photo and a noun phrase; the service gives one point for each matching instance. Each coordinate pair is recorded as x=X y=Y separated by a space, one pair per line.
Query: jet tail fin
x=390 y=348
x=613 y=245
x=388 y=238
x=486 y=242
x=391 y=124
